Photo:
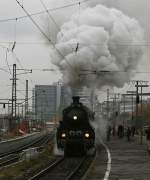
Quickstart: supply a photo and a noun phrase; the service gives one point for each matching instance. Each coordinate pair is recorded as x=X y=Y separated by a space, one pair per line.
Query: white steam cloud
x=98 y=39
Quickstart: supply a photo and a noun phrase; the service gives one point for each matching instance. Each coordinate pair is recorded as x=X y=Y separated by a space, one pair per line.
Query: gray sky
x=36 y=55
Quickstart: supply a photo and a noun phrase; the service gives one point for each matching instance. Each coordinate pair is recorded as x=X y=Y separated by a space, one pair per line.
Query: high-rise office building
x=46 y=102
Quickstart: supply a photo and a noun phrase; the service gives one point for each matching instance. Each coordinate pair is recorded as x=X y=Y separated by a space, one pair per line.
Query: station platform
x=119 y=159
x=129 y=160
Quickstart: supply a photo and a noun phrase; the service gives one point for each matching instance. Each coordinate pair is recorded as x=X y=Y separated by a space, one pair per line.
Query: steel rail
x=84 y=177
x=75 y=170
x=11 y=157
x=22 y=147
x=45 y=173
x=46 y=170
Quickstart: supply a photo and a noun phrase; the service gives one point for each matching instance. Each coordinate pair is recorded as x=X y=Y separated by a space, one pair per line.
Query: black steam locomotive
x=75 y=135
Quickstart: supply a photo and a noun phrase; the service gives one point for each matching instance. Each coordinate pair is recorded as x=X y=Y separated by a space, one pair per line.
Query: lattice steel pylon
x=26 y=101
x=14 y=99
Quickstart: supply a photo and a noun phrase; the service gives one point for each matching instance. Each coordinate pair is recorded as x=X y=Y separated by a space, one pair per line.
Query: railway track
x=8 y=159
x=43 y=141
x=64 y=169
x=13 y=156
x=35 y=143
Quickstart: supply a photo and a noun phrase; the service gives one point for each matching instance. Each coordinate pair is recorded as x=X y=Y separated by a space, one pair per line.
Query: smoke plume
x=98 y=47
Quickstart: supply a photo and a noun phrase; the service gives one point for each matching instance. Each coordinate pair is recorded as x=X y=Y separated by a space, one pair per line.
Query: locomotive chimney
x=76 y=99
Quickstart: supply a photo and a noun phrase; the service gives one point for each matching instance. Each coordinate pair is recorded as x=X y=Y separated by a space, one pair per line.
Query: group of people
x=128 y=132
x=121 y=132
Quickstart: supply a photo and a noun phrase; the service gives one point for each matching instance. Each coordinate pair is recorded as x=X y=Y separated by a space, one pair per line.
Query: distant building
x=46 y=102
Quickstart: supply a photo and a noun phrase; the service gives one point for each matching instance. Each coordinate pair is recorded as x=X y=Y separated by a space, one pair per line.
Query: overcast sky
x=36 y=56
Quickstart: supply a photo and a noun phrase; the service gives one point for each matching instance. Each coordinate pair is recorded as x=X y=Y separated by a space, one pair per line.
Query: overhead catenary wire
x=6 y=59
x=42 y=12
x=119 y=43
x=55 y=70
x=126 y=88
x=30 y=17
x=16 y=58
x=19 y=62
x=147 y=43
x=77 y=44
x=15 y=34
x=50 y=16
x=13 y=47
x=34 y=69
x=53 y=20
x=109 y=71
x=45 y=35
x=140 y=72
x=5 y=70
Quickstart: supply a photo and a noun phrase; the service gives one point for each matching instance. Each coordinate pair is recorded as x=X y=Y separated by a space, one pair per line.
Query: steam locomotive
x=75 y=135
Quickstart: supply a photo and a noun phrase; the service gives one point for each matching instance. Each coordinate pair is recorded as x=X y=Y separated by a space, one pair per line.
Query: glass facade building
x=45 y=102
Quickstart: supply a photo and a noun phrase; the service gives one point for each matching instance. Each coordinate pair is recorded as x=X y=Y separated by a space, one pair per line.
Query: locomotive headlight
x=75 y=117
x=63 y=135
x=87 y=135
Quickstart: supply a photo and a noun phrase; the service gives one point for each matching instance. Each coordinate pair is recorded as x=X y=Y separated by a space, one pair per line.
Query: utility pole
x=118 y=107
x=142 y=85
x=107 y=104
x=132 y=93
x=141 y=100
x=124 y=109
x=22 y=111
x=132 y=108
x=137 y=102
x=12 y=122
x=26 y=101
x=13 y=100
x=138 y=84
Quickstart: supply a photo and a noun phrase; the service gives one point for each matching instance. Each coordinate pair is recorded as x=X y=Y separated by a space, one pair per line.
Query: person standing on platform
x=114 y=131
x=108 y=133
x=147 y=132
x=120 y=131
x=128 y=134
x=132 y=131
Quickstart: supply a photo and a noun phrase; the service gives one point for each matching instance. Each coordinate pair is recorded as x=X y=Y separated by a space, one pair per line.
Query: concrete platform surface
x=127 y=161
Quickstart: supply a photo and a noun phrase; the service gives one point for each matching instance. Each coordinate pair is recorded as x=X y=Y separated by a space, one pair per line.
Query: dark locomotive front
x=75 y=134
